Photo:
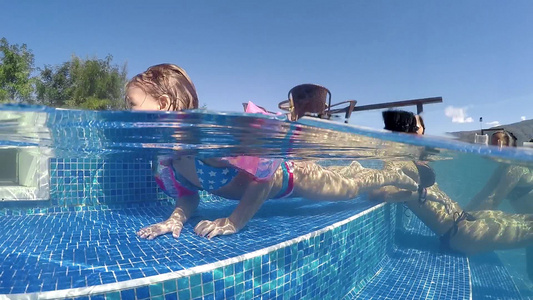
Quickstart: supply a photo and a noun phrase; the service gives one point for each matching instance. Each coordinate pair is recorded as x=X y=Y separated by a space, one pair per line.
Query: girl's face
x=138 y=99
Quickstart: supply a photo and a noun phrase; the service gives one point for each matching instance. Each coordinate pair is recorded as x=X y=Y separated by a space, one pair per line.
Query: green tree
x=83 y=83
x=16 y=66
x=54 y=86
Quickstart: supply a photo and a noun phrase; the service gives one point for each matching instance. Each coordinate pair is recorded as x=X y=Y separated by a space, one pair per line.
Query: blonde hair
x=170 y=80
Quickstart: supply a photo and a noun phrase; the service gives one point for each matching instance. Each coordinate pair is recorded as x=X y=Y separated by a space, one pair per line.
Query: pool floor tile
x=94 y=247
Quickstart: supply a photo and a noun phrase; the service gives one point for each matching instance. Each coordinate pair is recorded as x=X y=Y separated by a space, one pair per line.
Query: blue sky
x=477 y=55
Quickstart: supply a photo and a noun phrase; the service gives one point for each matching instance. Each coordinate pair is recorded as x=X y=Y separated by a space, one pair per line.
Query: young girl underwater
x=167 y=87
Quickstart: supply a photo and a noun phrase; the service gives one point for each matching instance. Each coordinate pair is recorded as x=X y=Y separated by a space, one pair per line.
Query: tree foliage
x=54 y=85
x=16 y=66
x=83 y=83
x=90 y=83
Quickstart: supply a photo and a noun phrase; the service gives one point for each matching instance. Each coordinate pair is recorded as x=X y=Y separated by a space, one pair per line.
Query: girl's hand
x=155 y=230
x=405 y=182
x=217 y=227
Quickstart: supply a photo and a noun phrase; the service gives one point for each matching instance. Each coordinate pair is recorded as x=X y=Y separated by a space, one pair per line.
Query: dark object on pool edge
x=314 y=99
x=427 y=179
x=400 y=121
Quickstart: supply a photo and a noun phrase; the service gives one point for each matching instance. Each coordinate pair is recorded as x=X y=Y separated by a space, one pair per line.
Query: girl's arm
x=255 y=194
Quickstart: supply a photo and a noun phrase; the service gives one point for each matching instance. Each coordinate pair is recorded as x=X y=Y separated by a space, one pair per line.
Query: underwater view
x=79 y=197
x=239 y=149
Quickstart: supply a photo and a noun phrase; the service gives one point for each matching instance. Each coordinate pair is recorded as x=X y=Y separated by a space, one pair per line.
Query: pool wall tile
x=81 y=184
x=90 y=182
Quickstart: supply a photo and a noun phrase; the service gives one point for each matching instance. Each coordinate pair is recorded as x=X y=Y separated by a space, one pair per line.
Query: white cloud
x=458 y=114
x=523 y=118
x=493 y=123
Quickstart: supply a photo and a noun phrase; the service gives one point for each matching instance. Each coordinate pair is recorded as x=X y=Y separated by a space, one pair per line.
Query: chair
x=310 y=99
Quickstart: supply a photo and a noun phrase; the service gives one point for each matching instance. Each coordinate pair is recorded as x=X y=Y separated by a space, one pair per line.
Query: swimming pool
x=79 y=242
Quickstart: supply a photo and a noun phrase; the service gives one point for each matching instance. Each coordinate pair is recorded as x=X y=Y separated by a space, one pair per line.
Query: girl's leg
x=347 y=171
x=313 y=182
x=492 y=233
x=498 y=214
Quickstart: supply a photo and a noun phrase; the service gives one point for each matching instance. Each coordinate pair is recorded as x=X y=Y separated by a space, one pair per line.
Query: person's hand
x=155 y=230
x=217 y=227
x=405 y=182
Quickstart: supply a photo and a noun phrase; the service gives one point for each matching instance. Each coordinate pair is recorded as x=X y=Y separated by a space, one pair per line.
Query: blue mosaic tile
x=410 y=273
x=184 y=294
x=196 y=292
x=183 y=283
x=113 y=296
x=310 y=274
x=195 y=280
x=96 y=181
x=105 y=241
x=173 y=296
x=491 y=280
x=170 y=286
x=156 y=289
x=128 y=294
x=142 y=292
